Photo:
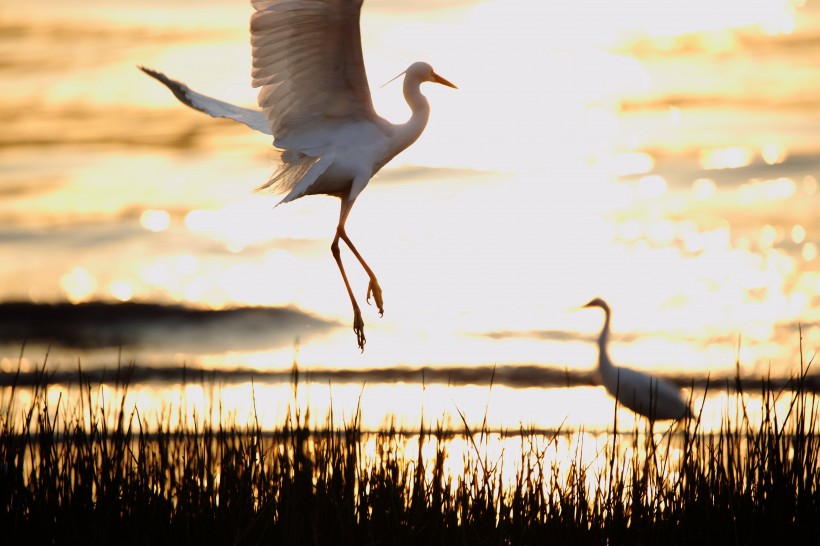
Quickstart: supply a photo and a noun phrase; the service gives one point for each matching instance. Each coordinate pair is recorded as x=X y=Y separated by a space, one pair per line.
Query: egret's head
x=423 y=72
x=598 y=302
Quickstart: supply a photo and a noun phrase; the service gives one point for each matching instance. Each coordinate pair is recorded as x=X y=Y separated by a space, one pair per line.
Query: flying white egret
x=645 y=394
x=315 y=101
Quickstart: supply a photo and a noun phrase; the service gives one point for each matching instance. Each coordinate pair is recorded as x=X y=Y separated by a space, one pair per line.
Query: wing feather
x=213 y=107
x=307 y=60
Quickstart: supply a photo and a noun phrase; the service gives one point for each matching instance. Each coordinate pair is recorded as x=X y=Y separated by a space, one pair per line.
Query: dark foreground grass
x=90 y=475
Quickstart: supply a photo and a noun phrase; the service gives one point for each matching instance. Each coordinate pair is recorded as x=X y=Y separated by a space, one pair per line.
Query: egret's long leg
x=372 y=288
x=358 y=323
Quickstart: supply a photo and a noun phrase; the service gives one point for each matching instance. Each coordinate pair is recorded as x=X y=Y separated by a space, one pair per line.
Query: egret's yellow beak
x=442 y=81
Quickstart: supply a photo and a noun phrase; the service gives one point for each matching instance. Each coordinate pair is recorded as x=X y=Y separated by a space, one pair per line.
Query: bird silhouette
x=643 y=393
x=316 y=103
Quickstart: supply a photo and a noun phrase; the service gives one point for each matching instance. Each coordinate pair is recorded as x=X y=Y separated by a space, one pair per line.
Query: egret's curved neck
x=604 y=363
x=407 y=133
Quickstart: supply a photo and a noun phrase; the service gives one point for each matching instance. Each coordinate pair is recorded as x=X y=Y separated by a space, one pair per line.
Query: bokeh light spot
x=78 y=284
x=798 y=233
x=122 y=290
x=773 y=153
x=809 y=252
x=731 y=157
x=704 y=188
x=155 y=220
x=651 y=186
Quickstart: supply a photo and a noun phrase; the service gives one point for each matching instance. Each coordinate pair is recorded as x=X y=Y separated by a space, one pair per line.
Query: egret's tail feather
x=296 y=174
x=292 y=168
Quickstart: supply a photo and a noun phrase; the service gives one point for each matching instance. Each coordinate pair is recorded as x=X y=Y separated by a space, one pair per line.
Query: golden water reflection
x=400 y=406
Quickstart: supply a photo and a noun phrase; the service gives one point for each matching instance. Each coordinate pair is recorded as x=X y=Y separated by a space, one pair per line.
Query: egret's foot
x=358 y=328
x=376 y=290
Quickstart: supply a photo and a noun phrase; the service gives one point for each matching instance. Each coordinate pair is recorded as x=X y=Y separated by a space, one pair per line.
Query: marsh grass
x=104 y=474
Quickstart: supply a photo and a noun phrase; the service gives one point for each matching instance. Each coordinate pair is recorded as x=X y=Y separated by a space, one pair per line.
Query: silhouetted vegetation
x=87 y=474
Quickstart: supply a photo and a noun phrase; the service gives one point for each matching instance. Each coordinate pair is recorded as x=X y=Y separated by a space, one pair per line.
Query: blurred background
x=661 y=155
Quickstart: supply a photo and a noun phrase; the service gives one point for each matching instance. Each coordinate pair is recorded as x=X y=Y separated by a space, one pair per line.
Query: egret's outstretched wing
x=307 y=58
x=216 y=108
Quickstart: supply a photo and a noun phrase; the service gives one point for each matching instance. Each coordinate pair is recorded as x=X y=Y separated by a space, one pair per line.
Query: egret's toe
x=358 y=328
x=374 y=289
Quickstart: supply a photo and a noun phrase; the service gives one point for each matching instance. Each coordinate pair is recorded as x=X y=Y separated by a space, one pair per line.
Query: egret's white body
x=315 y=101
x=643 y=393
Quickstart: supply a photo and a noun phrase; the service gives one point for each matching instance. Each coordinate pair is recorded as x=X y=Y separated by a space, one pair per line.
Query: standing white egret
x=645 y=394
x=315 y=100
